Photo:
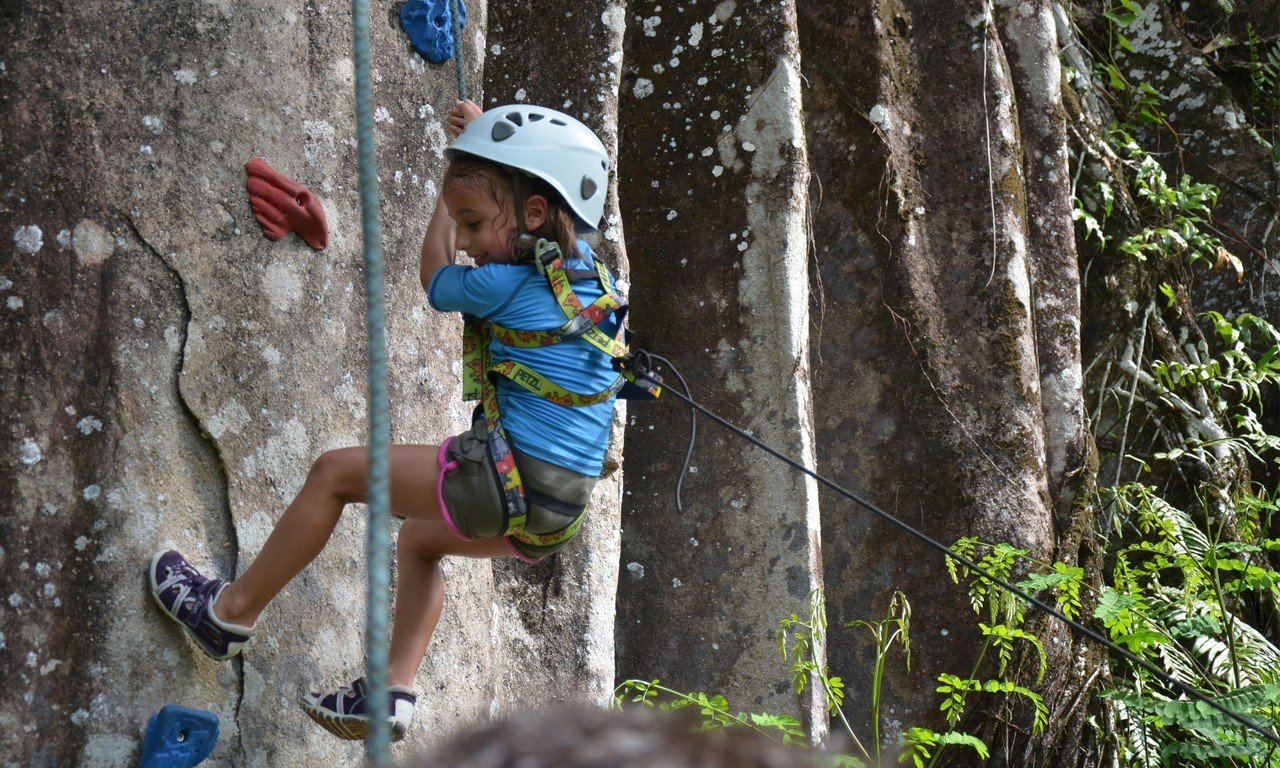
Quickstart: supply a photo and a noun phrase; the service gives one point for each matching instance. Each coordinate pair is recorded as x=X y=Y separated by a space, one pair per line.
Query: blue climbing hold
x=178 y=737
x=430 y=27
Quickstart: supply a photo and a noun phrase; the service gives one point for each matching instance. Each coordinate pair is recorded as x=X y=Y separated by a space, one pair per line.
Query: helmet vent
x=535 y=117
x=515 y=117
x=502 y=131
x=555 y=121
x=588 y=187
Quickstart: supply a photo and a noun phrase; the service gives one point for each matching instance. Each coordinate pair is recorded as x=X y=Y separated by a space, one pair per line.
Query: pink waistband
x=442 y=458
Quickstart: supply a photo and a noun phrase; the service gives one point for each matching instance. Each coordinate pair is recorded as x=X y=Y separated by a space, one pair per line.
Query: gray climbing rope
x=378 y=743
x=457 y=48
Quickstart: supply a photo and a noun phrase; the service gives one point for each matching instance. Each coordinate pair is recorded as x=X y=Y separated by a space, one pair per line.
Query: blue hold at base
x=429 y=25
x=178 y=737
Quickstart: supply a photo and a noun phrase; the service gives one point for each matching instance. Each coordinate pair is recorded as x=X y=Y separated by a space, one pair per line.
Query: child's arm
x=438 y=246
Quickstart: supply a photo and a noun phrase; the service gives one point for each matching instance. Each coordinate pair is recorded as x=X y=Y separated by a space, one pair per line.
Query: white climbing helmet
x=547 y=144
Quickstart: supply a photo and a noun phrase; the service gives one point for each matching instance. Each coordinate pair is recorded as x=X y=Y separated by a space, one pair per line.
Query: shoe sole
x=191 y=633
x=349 y=727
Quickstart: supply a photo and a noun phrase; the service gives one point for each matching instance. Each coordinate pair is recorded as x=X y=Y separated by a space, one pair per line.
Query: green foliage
x=1232 y=381
x=800 y=642
x=922 y=743
x=1184 y=583
x=713 y=711
x=1264 y=95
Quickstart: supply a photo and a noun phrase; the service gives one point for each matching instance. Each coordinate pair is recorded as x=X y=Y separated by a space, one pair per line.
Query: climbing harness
x=567 y=156
x=642 y=369
x=480 y=374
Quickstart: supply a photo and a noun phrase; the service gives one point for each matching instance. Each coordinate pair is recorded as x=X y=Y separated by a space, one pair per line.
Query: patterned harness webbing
x=479 y=370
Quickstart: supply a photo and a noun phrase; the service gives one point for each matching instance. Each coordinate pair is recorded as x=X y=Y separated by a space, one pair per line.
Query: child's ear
x=535 y=211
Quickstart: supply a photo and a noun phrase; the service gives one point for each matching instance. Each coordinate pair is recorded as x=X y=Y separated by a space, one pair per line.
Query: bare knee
x=341 y=474
x=416 y=540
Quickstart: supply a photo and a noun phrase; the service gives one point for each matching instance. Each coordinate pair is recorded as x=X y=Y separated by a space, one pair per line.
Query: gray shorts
x=472 y=504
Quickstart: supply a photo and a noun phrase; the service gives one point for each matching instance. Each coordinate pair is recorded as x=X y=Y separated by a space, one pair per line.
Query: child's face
x=486 y=229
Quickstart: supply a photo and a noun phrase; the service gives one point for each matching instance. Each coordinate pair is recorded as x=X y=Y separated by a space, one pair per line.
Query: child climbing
x=521 y=183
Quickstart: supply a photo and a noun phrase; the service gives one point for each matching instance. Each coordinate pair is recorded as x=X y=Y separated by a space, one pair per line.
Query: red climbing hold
x=283 y=205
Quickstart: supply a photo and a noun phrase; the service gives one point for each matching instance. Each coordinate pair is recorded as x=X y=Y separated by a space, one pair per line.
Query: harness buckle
x=642 y=382
x=545 y=252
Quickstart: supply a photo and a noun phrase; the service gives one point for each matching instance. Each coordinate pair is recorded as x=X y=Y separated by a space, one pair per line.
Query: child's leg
x=420 y=588
x=337 y=478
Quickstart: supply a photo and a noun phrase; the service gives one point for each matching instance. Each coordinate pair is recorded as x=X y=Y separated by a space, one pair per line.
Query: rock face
x=170 y=373
x=714 y=179
x=847 y=224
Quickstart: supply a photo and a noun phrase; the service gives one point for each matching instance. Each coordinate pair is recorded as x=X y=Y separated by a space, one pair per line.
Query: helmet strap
x=525 y=242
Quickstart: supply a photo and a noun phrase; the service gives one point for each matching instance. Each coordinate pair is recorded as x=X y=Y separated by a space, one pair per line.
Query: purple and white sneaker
x=187 y=597
x=343 y=712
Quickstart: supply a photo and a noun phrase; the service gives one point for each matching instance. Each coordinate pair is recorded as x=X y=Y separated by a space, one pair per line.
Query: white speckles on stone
x=382 y=115
x=636 y=570
x=153 y=124
x=81 y=543
x=614 y=18
x=671 y=215
x=14 y=303
x=286 y=452
x=695 y=34
x=88 y=425
x=29 y=239
x=79 y=717
x=232 y=417
x=880 y=116
x=650 y=26
x=5 y=283
x=643 y=88
x=186 y=76
x=281 y=285
x=91 y=492
x=748 y=147
x=29 y=452
x=271 y=355
x=92 y=243
x=173 y=339
x=15 y=600
x=676 y=583
x=43 y=570
x=495 y=49
x=717 y=170
x=347 y=392
x=318 y=141
x=521 y=94
x=944 y=632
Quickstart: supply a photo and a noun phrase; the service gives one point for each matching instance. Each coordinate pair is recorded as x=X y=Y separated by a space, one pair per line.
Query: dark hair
x=473 y=171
